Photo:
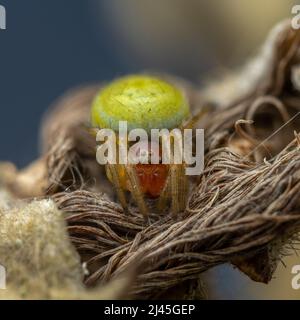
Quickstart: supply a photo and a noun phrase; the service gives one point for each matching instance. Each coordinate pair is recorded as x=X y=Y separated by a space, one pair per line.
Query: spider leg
x=112 y=170
x=136 y=190
x=178 y=188
x=174 y=175
x=164 y=196
x=183 y=188
x=190 y=123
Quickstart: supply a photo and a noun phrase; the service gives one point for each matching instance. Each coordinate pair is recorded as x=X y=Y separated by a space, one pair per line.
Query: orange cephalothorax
x=152 y=178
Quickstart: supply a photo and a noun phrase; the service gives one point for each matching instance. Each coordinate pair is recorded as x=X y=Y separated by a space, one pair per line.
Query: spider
x=145 y=102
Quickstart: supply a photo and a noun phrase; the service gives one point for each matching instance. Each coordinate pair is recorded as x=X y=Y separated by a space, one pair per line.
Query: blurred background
x=51 y=46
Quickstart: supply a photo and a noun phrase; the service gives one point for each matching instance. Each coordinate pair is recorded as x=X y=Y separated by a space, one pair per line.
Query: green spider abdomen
x=144 y=102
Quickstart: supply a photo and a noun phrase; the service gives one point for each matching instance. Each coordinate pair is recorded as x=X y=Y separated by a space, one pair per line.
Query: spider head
x=152 y=177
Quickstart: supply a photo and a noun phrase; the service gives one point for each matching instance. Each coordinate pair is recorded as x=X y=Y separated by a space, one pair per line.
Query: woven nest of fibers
x=244 y=208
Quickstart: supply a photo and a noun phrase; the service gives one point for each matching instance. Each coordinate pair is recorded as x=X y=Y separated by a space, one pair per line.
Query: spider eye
x=143 y=152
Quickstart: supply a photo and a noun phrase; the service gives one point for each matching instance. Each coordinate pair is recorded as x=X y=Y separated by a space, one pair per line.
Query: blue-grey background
x=48 y=47
x=52 y=45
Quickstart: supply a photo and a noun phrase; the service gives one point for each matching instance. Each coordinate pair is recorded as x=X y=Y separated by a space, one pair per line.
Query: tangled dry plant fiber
x=244 y=208
x=241 y=209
